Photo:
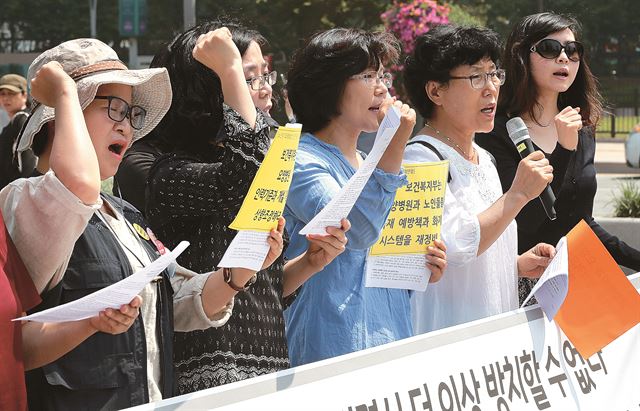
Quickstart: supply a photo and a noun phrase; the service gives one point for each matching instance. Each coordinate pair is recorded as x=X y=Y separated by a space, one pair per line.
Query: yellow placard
x=416 y=215
x=267 y=195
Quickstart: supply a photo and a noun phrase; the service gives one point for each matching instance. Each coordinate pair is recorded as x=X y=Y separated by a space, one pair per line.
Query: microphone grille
x=517 y=129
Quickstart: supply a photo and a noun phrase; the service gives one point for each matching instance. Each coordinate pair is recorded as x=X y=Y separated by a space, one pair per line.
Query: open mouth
x=488 y=109
x=117 y=148
x=562 y=73
x=375 y=109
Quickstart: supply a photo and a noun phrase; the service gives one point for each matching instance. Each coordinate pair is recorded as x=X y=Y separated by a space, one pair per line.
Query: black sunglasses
x=118 y=110
x=551 y=49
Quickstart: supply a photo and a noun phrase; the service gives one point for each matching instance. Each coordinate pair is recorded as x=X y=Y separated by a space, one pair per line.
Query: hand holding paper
x=600 y=303
x=532 y=263
x=113 y=296
x=116 y=321
x=412 y=226
x=325 y=248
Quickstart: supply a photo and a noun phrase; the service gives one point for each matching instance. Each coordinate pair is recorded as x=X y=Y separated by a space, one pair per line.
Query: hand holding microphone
x=534 y=172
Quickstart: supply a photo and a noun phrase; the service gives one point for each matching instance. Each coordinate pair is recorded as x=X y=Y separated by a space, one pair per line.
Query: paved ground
x=612 y=171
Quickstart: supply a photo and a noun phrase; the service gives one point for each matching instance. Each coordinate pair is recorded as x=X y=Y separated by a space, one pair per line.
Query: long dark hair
x=195 y=116
x=519 y=94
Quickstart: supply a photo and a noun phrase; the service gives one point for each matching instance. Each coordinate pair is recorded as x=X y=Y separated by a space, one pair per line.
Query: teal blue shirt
x=334 y=313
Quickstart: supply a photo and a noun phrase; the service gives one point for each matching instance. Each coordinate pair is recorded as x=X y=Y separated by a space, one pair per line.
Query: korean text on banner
x=416 y=214
x=267 y=195
x=601 y=304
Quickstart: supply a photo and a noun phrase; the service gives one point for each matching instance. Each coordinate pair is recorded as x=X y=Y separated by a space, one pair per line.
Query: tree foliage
x=611 y=28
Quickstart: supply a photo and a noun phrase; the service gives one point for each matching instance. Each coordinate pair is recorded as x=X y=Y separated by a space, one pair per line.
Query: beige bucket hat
x=92 y=63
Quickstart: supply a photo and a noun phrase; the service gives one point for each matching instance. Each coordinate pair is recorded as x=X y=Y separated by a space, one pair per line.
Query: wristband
x=226 y=275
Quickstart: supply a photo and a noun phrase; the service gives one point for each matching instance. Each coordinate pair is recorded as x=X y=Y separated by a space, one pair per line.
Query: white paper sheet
x=552 y=287
x=340 y=206
x=248 y=249
x=405 y=271
x=112 y=296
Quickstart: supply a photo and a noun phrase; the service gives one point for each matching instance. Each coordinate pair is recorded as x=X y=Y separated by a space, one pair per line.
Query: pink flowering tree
x=409 y=19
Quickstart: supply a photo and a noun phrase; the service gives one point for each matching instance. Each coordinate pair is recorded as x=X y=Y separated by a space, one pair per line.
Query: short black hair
x=195 y=115
x=320 y=69
x=441 y=50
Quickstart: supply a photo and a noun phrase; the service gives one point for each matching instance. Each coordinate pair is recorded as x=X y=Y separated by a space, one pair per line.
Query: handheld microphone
x=519 y=134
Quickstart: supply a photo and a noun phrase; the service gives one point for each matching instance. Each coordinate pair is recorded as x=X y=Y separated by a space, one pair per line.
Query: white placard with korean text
x=514 y=361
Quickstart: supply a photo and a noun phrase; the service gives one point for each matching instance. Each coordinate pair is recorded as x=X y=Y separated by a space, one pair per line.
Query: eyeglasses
x=551 y=49
x=119 y=109
x=372 y=78
x=256 y=83
x=478 y=81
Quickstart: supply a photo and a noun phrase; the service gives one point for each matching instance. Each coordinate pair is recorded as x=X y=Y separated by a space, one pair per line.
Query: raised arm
x=391 y=160
x=217 y=51
x=72 y=157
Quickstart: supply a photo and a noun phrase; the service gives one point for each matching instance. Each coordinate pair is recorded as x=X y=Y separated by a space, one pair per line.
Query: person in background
x=453 y=79
x=338 y=88
x=551 y=87
x=15 y=102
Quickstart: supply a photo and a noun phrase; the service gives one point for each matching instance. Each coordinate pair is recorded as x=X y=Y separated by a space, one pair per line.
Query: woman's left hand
x=532 y=263
x=324 y=248
x=276 y=244
x=436 y=260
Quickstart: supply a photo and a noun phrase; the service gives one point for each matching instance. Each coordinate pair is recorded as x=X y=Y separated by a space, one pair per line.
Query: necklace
x=536 y=122
x=453 y=143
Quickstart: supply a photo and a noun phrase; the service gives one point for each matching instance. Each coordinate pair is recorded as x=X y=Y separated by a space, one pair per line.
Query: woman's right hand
x=115 y=322
x=50 y=83
x=568 y=122
x=407 y=117
x=534 y=173
x=217 y=51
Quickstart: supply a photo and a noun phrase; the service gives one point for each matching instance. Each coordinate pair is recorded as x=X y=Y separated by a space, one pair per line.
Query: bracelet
x=226 y=275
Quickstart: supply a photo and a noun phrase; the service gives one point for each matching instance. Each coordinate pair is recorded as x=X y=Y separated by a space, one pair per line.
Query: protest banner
x=398 y=258
x=514 y=361
x=267 y=195
x=416 y=215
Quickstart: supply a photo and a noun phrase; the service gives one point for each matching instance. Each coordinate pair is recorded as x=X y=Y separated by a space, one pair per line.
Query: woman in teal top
x=338 y=88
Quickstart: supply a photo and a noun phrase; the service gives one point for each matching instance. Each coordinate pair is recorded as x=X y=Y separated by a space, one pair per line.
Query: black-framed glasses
x=480 y=80
x=372 y=78
x=551 y=49
x=118 y=110
x=256 y=83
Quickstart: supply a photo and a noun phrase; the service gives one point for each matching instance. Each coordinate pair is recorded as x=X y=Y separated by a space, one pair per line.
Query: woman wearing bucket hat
x=35 y=210
x=134 y=367
x=210 y=90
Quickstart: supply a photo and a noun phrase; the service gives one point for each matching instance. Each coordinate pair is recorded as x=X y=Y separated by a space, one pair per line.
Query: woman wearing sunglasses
x=549 y=85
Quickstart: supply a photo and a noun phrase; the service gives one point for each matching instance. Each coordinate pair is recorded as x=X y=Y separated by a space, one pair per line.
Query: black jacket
x=574 y=185
x=104 y=372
